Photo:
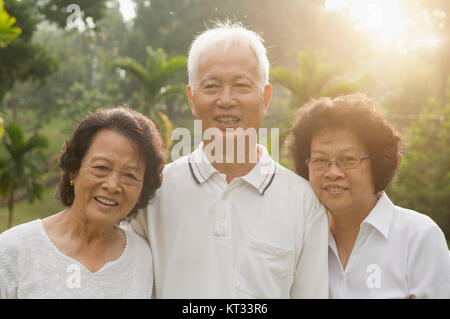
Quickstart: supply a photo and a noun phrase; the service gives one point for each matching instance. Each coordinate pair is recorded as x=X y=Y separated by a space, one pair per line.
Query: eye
x=100 y=168
x=349 y=159
x=319 y=160
x=210 y=87
x=129 y=175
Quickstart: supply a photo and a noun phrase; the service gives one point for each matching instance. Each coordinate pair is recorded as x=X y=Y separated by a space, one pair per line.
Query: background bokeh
x=60 y=59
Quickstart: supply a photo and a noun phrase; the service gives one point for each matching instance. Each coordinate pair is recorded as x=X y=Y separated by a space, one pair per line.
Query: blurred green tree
x=423 y=180
x=7 y=31
x=155 y=77
x=25 y=60
x=312 y=79
x=22 y=167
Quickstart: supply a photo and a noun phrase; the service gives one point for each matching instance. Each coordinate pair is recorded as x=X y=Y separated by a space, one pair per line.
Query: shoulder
x=17 y=235
x=294 y=183
x=419 y=230
x=286 y=175
x=180 y=163
x=135 y=242
x=414 y=222
x=298 y=194
x=18 y=244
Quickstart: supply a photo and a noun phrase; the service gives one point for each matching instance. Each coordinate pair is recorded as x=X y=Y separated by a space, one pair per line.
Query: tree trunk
x=11 y=206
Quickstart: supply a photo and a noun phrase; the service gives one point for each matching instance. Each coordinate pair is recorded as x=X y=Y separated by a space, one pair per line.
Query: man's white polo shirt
x=263 y=235
x=398 y=253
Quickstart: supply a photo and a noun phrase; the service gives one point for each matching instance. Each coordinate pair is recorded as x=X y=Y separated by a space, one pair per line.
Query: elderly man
x=222 y=226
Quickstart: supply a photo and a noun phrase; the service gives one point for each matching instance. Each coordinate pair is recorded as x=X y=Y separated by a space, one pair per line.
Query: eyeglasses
x=343 y=162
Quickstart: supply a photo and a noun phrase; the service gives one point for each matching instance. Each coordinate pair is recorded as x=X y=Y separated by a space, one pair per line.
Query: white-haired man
x=224 y=227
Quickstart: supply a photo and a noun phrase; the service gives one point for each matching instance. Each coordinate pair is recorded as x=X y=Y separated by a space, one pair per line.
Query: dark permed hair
x=357 y=113
x=131 y=124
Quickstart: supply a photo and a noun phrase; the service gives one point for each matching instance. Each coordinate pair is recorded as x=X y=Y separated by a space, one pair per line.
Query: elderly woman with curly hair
x=349 y=153
x=111 y=167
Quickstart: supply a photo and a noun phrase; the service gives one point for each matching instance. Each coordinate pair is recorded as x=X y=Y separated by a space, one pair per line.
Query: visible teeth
x=335 y=188
x=227 y=119
x=105 y=201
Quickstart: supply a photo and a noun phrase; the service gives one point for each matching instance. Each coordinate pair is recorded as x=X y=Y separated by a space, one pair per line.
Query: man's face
x=228 y=92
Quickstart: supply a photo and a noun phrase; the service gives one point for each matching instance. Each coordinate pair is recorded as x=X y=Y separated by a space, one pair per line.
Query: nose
x=112 y=183
x=334 y=171
x=226 y=98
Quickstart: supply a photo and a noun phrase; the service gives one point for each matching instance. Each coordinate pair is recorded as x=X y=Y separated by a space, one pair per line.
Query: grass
x=58 y=130
x=25 y=212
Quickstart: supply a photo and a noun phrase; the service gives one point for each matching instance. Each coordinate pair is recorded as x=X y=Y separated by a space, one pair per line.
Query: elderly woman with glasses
x=111 y=166
x=349 y=153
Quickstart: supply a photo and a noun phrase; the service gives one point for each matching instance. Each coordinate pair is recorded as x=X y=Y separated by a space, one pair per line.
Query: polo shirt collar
x=260 y=177
x=381 y=215
x=201 y=169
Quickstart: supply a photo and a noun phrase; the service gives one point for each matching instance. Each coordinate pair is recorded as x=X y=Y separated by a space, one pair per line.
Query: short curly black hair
x=357 y=113
x=131 y=124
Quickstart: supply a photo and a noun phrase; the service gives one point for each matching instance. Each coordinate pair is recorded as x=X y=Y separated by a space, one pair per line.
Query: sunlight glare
x=384 y=20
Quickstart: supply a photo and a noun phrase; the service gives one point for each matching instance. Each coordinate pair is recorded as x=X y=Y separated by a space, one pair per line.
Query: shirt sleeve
x=8 y=285
x=429 y=264
x=311 y=275
x=138 y=224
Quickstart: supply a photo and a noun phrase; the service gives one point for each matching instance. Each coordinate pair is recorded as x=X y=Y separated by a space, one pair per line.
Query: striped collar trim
x=260 y=177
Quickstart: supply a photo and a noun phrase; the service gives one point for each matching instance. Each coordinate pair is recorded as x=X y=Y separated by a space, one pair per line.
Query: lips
x=335 y=188
x=106 y=201
x=227 y=120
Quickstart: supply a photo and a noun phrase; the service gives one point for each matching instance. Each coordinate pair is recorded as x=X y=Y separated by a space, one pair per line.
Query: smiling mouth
x=106 y=201
x=227 y=120
x=335 y=188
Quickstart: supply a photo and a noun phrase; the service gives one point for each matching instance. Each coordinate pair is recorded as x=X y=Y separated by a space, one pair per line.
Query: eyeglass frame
x=361 y=158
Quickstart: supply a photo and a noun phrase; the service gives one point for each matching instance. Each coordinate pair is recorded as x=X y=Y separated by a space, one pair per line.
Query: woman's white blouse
x=32 y=267
x=398 y=253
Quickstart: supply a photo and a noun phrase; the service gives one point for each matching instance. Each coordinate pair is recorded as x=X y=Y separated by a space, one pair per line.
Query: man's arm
x=138 y=224
x=311 y=275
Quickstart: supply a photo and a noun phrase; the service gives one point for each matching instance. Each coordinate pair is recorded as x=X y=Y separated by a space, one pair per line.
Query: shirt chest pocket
x=264 y=270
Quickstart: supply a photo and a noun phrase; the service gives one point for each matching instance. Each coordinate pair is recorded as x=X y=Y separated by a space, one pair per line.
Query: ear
x=72 y=175
x=191 y=99
x=267 y=95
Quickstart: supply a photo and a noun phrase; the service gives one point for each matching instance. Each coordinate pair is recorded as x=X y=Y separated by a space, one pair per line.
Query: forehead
x=222 y=59
x=114 y=147
x=336 y=140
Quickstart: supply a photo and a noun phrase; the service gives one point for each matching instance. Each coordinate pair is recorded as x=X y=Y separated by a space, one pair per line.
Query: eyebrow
x=341 y=151
x=237 y=77
x=128 y=167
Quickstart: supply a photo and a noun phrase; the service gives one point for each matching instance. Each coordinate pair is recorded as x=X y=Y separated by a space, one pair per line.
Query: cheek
x=133 y=194
x=314 y=180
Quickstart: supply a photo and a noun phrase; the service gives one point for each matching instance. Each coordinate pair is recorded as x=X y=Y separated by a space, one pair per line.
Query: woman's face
x=109 y=181
x=342 y=191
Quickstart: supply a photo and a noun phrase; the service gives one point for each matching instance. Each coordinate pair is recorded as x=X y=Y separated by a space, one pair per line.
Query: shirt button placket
x=221 y=229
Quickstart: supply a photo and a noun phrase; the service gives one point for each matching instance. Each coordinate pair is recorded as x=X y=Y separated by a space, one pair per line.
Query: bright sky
x=386 y=21
x=127 y=9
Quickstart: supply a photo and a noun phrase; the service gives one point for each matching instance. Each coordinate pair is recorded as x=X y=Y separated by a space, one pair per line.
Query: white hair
x=229 y=33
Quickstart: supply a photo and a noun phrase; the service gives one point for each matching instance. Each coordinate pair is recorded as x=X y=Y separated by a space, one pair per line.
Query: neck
x=345 y=225
x=235 y=164
x=72 y=224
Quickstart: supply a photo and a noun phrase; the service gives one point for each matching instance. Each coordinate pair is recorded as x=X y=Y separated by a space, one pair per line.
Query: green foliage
x=7 y=31
x=154 y=78
x=423 y=179
x=2 y=127
x=22 y=167
x=24 y=60
x=312 y=79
